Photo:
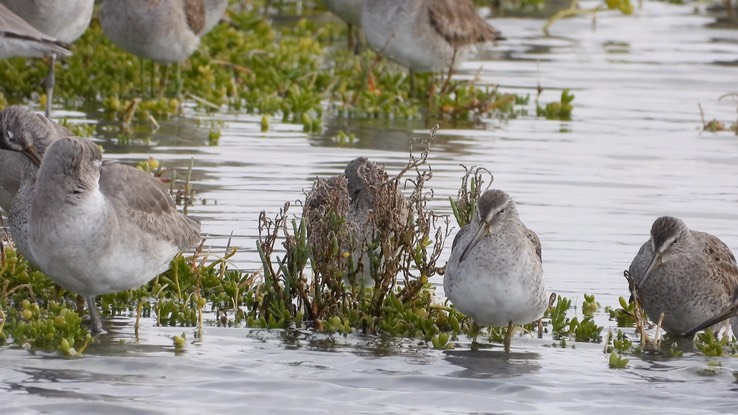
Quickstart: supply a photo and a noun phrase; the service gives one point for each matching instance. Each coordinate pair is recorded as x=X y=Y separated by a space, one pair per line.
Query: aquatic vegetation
x=590 y=305
x=472 y=187
x=625 y=316
x=710 y=345
x=714 y=125
x=585 y=330
x=290 y=71
x=558 y=110
x=617 y=361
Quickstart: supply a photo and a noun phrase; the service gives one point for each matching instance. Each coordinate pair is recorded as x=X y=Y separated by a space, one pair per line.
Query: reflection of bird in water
x=690 y=276
x=99 y=227
x=485 y=364
x=425 y=35
x=369 y=202
x=495 y=272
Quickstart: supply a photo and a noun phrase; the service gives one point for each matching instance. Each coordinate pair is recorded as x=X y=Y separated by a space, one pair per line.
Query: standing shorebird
x=689 y=276
x=64 y=21
x=425 y=35
x=495 y=272
x=371 y=205
x=99 y=227
x=19 y=38
x=165 y=31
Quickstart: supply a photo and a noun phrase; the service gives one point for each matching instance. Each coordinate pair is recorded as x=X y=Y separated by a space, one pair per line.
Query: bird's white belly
x=494 y=300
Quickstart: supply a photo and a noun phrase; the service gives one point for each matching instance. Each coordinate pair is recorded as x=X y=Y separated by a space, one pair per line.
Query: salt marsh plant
x=317 y=281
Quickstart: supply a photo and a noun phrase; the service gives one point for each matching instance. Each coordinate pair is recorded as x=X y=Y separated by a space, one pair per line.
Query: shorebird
x=64 y=21
x=165 y=31
x=22 y=131
x=350 y=12
x=24 y=136
x=690 y=276
x=368 y=201
x=99 y=227
x=19 y=38
x=495 y=272
x=425 y=35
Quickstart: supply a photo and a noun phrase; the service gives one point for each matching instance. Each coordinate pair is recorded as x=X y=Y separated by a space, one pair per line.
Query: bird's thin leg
x=178 y=74
x=540 y=328
x=49 y=83
x=350 y=37
x=164 y=81
x=96 y=326
x=508 y=336
x=475 y=332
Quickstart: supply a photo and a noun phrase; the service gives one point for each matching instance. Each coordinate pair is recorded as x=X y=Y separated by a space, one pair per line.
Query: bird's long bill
x=655 y=262
x=32 y=154
x=727 y=313
x=483 y=228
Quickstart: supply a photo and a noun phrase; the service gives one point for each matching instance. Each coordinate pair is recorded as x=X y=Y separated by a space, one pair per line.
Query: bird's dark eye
x=502 y=211
x=675 y=241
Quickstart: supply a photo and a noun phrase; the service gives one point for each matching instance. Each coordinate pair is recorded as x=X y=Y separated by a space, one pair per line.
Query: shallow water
x=590 y=187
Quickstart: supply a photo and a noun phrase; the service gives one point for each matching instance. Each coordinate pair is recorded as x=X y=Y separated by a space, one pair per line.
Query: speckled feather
x=501 y=277
x=697 y=280
x=425 y=35
x=457 y=21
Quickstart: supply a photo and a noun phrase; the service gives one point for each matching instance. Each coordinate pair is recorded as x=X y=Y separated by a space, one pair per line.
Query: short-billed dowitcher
x=22 y=131
x=64 y=21
x=371 y=205
x=24 y=137
x=495 y=272
x=19 y=38
x=425 y=35
x=689 y=276
x=99 y=227
x=165 y=31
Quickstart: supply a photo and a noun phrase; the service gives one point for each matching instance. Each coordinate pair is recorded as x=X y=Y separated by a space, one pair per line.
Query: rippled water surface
x=590 y=187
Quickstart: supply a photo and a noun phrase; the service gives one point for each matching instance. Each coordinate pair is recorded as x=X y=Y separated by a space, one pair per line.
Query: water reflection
x=490 y=364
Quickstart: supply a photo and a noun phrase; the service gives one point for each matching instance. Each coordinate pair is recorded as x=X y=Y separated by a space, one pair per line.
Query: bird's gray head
x=76 y=157
x=668 y=235
x=494 y=205
x=666 y=232
x=360 y=174
x=18 y=127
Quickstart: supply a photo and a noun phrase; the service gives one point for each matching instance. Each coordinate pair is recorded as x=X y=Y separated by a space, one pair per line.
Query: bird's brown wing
x=536 y=243
x=458 y=22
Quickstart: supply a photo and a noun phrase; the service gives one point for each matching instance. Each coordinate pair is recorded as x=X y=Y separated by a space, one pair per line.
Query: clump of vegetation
x=714 y=125
x=712 y=346
x=558 y=110
x=585 y=330
x=625 y=316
